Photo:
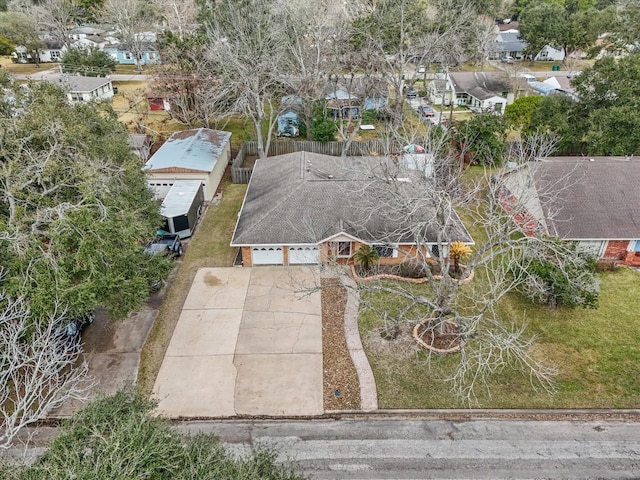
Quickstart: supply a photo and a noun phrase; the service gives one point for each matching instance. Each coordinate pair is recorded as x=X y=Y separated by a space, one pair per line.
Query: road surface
x=391 y=448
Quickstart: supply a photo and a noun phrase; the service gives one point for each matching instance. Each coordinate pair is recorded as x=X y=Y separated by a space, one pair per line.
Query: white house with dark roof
x=308 y=208
x=198 y=154
x=480 y=91
x=593 y=201
x=84 y=89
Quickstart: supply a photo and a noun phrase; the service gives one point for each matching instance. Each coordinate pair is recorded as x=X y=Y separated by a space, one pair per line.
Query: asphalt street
x=391 y=448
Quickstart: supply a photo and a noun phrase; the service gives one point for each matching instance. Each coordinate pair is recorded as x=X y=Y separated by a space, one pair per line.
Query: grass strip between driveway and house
x=209 y=247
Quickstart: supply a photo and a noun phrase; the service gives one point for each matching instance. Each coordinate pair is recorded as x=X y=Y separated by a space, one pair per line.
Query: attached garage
x=267 y=256
x=307 y=255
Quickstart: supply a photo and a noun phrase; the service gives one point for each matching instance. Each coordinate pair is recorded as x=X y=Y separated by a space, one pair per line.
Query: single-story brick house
x=593 y=201
x=198 y=154
x=308 y=208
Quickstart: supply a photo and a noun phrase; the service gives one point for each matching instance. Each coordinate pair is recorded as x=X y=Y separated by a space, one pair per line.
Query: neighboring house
x=551 y=54
x=481 y=91
x=346 y=99
x=440 y=91
x=148 y=54
x=562 y=84
x=343 y=104
x=121 y=54
x=308 y=208
x=288 y=124
x=84 y=89
x=199 y=154
x=94 y=32
x=509 y=44
x=50 y=51
x=592 y=201
x=140 y=145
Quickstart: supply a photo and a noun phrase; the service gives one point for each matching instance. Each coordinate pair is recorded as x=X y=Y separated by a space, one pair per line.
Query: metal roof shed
x=183 y=206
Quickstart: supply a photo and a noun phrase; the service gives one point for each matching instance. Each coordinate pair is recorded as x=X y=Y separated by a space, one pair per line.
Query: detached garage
x=199 y=154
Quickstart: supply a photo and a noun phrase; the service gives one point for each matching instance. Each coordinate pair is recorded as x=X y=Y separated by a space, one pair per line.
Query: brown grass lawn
x=209 y=247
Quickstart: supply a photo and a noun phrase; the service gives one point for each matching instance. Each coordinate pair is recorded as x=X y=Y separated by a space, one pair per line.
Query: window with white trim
x=340 y=249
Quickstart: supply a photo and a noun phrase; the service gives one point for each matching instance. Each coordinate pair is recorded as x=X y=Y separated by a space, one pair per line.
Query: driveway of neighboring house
x=248 y=342
x=112 y=351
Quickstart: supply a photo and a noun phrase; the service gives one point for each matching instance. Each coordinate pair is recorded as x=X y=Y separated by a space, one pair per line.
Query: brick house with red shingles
x=593 y=201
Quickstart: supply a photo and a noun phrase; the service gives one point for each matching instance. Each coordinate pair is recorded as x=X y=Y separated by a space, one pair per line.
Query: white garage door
x=300 y=255
x=267 y=256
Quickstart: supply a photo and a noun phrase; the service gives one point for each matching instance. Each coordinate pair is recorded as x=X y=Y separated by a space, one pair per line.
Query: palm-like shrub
x=366 y=256
x=458 y=251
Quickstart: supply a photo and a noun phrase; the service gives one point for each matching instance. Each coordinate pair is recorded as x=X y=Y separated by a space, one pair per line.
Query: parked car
x=426 y=111
x=165 y=244
x=411 y=93
x=72 y=328
x=507 y=59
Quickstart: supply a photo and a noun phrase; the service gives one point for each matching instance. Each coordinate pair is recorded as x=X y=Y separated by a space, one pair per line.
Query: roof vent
x=330 y=176
x=592 y=159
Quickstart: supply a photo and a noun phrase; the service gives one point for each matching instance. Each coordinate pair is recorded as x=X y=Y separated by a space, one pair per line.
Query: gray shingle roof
x=79 y=84
x=196 y=149
x=305 y=198
x=492 y=83
x=590 y=200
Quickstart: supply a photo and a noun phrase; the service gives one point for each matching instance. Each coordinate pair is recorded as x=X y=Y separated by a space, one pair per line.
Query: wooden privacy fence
x=240 y=174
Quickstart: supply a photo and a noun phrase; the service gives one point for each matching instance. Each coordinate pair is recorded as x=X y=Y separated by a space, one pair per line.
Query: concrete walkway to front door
x=247 y=343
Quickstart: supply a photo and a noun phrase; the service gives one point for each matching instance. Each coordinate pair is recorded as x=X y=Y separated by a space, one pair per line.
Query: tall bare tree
x=133 y=19
x=397 y=35
x=483 y=37
x=247 y=52
x=311 y=49
x=429 y=198
x=179 y=15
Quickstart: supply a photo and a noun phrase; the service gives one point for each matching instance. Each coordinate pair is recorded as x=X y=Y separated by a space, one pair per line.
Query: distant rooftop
x=79 y=84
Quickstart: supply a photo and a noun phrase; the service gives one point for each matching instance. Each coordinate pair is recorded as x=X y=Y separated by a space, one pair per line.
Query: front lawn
x=596 y=351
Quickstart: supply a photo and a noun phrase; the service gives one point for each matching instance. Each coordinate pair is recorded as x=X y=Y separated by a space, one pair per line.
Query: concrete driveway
x=245 y=344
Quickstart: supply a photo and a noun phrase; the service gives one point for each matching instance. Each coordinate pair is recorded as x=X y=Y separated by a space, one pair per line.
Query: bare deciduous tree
x=395 y=35
x=483 y=37
x=38 y=368
x=180 y=16
x=247 y=52
x=429 y=198
x=311 y=49
x=134 y=20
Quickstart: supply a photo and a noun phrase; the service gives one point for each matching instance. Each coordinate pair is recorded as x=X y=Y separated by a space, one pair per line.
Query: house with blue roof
x=198 y=154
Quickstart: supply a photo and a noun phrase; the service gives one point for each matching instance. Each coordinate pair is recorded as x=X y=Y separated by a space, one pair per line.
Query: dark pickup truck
x=165 y=244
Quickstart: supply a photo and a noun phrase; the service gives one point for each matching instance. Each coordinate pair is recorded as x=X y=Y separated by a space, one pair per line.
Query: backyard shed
x=183 y=206
x=198 y=154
